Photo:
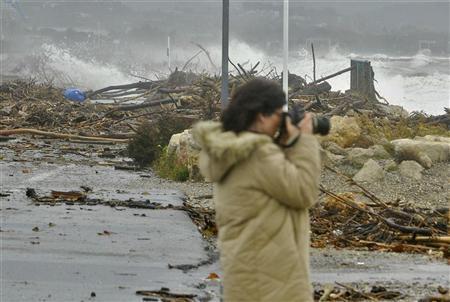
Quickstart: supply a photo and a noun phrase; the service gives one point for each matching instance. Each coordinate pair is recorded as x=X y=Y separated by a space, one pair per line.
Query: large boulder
x=410 y=169
x=370 y=172
x=186 y=152
x=433 y=138
x=345 y=131
x=334 y=148
x=359 y=156
x=390 y=165
x=379 y=152
x=329 y=158
x=424 y=150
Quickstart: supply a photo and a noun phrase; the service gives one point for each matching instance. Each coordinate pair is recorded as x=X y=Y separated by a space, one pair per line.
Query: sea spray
x=59 y=66
x=420 y=82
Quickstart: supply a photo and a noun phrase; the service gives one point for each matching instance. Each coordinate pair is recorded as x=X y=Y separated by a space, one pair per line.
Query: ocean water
x=418 y=83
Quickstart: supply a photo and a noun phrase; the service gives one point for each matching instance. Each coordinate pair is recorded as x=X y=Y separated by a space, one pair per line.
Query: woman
x=262 y=193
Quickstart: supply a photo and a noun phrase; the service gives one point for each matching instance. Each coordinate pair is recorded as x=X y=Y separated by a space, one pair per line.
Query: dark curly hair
x=256 y=96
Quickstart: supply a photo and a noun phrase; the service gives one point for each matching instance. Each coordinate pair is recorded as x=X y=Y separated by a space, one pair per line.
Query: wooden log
x=123 y=93
x=357 y=292
x=407 y=229
x=439 y=239
x=237 y=69
x=188 y=61
x=132 y=107
x=395 y=246
x=361 y=79
x=207 y=54
x=331 y=76
x=96 y=142
x=141 y=85
x=172 y=90
x=60 y=135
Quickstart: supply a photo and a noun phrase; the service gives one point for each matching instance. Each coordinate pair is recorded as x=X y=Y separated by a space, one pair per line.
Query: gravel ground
x=431 y=192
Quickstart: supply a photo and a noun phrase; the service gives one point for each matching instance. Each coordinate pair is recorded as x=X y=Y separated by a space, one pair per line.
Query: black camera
x=321 y=125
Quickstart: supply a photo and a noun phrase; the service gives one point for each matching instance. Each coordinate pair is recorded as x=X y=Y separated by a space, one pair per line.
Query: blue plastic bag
x=74 y=94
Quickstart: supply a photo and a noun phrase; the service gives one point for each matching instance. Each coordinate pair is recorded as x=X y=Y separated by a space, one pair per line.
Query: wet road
x=68 y=252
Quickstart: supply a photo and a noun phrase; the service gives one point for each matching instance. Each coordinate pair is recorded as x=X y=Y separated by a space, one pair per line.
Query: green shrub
x=144 y=147
x=151 y=137
x=167 y=166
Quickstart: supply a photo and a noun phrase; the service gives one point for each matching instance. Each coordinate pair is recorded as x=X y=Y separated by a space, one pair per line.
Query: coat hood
x=222 y=150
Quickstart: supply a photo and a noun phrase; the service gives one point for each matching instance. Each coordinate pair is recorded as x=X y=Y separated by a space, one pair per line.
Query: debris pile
x=343 y=221
x=81 y=198
x=28 y=105
x=117 y=111
x=343 y=292
x=164 y=294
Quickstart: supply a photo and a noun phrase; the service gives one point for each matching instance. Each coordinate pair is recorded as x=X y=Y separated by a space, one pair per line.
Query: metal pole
x=314 y=62
x=285 y=48
x=168 y=52
x=225 y=26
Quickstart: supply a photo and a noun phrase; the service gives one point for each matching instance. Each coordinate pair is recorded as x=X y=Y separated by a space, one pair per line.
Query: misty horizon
x=103 y=42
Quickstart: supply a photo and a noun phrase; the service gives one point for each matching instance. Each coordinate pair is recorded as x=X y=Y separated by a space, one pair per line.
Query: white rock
x=174 y=143
x=410 y=169
x=186 y=151
x=370 y=172
x=334 y=148
x=424 y=150
x=359 y=156
x=329 y=158
x=379 y=152
x=345 y=131
x=390 y=165
x=434 y=138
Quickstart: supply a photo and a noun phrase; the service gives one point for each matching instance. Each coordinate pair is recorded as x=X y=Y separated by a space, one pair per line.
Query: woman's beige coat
x=262 y=194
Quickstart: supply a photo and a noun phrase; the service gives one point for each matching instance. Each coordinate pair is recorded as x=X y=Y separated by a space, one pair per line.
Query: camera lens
x=321 y=125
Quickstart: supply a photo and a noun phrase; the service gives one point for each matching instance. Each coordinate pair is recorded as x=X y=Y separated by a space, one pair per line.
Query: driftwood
x=189 y=61
x=407 y=229
x=237 y=69
x=331 y=76
x=132 y=107
x=207 y=54
x=396 y=247
x=166 y=295
x=437 y=239
x=357 y=292
x=60 y=135
x=388 y=221
x=379 y=224
x=122 y=93
x=138 y=85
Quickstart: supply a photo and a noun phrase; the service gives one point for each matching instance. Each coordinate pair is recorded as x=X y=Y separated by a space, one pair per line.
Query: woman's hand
x=291 y=131
x=306 y=124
